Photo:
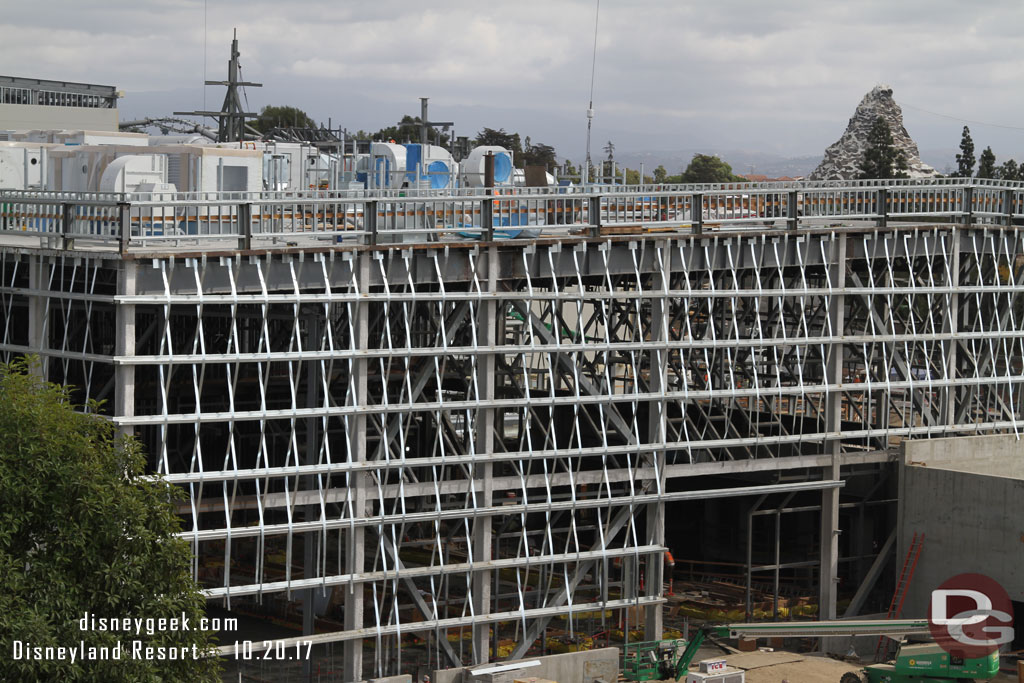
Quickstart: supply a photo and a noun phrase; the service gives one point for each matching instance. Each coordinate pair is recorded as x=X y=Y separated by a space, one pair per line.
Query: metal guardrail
x=244 y=220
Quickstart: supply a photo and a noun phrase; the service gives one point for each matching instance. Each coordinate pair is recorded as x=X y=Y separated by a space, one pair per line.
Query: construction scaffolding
x=383 y=411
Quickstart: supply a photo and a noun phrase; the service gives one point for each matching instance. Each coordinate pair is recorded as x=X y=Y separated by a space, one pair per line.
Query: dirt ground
x=777 y=667
x=807 y=669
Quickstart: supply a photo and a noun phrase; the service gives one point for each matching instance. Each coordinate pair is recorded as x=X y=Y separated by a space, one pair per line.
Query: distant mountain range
x=762 y=163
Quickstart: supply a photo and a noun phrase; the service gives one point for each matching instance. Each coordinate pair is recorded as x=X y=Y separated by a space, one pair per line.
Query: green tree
x=882 y=159
x=987 y=164
x=633 y=177
x=965 y=159
x=510 y=141
x=82 y=530
x=281 y=117
x=1008 y=171
x=660 y=174
x=539 y=155
x=704 y=168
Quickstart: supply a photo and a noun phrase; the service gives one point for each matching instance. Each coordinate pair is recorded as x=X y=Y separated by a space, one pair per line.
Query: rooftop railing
x=240 y=220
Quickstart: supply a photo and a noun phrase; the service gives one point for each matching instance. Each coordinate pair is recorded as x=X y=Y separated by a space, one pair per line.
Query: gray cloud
x=782 y=76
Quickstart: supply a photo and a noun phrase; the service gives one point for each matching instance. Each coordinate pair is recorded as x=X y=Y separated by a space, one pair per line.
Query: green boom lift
x=669 y=660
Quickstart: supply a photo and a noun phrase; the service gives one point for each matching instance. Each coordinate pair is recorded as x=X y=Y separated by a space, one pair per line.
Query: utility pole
x=426 y=124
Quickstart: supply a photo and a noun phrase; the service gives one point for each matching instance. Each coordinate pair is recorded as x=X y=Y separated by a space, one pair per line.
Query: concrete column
x=656 y=431
x=355 y=548
x=124 y=385
x=829 y=550
x=486 y=322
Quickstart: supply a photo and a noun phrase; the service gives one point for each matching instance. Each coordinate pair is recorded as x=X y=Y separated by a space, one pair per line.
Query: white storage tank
x=472 y=167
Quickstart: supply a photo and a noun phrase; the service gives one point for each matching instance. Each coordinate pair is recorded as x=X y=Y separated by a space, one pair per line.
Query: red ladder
x=900 y=594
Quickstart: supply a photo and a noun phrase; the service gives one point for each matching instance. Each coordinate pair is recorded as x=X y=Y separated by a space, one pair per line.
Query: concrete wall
x=972 y=518
x=30 y=116
x=999 y=455
x=572 y=667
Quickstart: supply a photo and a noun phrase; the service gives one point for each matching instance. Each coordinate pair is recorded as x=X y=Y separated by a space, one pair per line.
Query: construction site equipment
x=919 y=663
x=660 y=660
x=900 y=593
x=669 y=660
x=348 y=397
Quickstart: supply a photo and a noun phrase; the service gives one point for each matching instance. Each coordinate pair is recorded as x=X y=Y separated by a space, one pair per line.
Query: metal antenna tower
x=231 y=118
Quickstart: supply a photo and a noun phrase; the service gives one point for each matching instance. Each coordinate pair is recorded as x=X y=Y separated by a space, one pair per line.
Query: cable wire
x=960 y=118
x=590 y=106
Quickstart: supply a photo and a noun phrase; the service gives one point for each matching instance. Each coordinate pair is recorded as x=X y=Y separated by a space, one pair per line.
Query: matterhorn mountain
x=843 y=158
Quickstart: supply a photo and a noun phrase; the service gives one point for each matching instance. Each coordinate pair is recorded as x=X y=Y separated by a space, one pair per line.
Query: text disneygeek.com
x=134 y=649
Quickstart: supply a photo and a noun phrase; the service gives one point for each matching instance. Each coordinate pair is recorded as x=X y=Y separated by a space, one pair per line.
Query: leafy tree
x=510 y=141
x=987 y=164
x=660 y=174
x=538 y=155
x=704 y=168
x=83 y=531
x=633 y=177
x=282 y=117
x=881 y=158
x=1008 y=171
x=965 y=159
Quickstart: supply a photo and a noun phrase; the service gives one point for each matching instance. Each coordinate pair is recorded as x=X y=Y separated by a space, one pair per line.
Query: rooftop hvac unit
x=187 y=139
x=22 y=165
x=472 y=167
x=386 y=165
x=126 y=173
x=433 y=163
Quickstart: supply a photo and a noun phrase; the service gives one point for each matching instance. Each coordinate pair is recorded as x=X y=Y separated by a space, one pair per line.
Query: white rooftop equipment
x=80 y=137
x=472 y=167
x=433 y=164
x=385 y=165
x=23 y=165
x=127 y=173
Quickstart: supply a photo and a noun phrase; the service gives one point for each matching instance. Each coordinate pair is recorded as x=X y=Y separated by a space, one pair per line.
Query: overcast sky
x=782 y=76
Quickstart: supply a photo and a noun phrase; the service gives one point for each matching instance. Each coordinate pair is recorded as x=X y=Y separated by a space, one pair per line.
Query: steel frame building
x=374 y=403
